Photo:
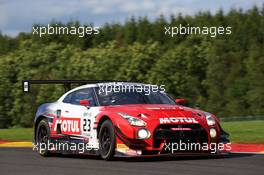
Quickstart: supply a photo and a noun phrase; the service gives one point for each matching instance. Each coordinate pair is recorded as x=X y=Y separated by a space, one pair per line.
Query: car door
x=81 y=118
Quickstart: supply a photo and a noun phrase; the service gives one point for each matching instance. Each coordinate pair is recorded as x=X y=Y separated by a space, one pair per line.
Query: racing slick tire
x=107 y=140
x=42 y=137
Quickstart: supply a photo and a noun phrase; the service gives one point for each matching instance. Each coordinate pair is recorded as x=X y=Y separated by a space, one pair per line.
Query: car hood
x=158 y=111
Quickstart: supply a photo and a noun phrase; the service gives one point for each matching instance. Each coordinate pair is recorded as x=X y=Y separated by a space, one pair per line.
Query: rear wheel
x=107 y=141
x=42 y=137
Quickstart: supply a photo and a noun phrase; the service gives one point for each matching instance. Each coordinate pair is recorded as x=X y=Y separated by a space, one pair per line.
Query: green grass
x=245 y=131
x=240 y=132
x=16 y=134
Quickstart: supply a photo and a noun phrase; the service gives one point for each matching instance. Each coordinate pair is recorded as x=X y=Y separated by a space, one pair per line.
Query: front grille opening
x=186 y=133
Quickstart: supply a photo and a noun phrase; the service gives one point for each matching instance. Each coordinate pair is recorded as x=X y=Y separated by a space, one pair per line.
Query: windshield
x=127 y=97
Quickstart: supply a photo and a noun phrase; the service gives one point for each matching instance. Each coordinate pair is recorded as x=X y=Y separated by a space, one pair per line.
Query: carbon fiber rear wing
x=66 y=83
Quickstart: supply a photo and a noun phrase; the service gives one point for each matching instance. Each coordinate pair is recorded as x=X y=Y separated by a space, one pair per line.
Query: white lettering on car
x=68 y=125
x=177 y=120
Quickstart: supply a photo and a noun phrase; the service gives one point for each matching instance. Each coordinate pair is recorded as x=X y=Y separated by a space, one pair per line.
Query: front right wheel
x=107 y=141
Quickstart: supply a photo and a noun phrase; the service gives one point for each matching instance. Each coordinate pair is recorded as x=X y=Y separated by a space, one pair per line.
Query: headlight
x=143 y=133
x=210 y=119
x=132 y=120
x=213 y=133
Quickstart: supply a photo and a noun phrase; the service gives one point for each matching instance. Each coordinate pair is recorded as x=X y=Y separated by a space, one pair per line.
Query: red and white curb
x=248 y=148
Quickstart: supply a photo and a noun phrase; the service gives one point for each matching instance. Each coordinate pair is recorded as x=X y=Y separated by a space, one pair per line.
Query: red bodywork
x=153 y=114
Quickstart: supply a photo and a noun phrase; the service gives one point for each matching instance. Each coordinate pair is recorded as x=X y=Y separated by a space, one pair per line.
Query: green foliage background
x=223 y=75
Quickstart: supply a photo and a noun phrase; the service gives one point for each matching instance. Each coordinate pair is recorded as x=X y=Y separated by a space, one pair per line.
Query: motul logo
x=177 y=120
x=68 y=125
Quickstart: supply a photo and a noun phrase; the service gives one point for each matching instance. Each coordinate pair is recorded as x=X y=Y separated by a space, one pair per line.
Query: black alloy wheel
x=42 y=137
x=107 y=141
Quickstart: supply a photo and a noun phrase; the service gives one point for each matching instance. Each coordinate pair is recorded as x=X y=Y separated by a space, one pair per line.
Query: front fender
x=119 y=122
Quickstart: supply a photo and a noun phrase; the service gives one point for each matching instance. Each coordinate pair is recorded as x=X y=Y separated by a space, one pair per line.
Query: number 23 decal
x=86 y=124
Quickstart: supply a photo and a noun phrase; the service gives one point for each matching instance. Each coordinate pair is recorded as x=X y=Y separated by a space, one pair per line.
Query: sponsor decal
x=68 y=125
x=168 y=108
x=126 y=150
x=181 y=129
x=177 y=120
x=122 y=146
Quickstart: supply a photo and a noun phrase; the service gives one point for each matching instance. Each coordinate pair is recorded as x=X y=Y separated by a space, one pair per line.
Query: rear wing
x=66 y=83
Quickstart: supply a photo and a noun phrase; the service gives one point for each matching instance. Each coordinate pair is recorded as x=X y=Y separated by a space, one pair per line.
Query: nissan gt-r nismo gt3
x=121 y=123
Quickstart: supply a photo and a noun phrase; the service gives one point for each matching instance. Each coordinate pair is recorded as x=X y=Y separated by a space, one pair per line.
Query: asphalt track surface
x=25 y=161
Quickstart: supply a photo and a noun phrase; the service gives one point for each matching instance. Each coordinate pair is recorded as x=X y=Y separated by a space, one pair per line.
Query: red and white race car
x=121 y=119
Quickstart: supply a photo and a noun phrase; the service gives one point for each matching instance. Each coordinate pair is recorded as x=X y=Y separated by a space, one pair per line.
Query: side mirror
x=180 y=101
x=85 y=102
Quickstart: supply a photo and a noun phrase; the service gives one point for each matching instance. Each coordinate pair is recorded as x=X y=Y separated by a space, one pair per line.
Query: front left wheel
x=107 y=140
